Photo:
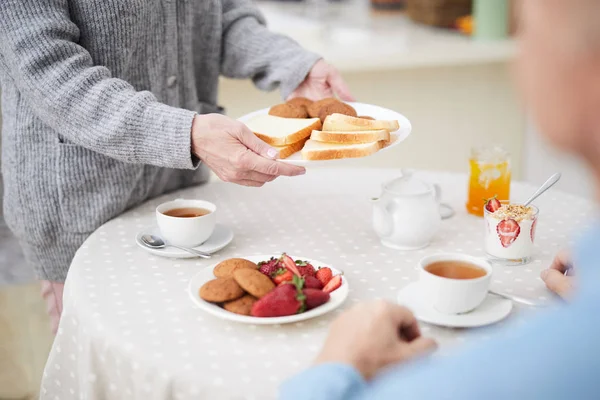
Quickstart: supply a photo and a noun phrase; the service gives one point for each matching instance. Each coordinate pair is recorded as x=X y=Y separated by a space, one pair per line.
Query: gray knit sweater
x=98 y=98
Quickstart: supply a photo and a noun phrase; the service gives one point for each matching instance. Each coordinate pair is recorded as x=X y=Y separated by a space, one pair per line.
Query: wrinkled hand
x=235 y=154
x=322 y=81
x=374 y=335
x=554 y=277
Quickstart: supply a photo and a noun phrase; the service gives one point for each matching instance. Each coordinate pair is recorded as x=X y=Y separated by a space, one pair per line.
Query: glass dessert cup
x=510 y=233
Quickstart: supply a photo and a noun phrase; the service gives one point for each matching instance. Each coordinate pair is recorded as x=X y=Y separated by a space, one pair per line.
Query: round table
x=129 y=329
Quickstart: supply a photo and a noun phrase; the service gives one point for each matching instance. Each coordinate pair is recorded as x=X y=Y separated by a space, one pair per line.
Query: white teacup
x=186 y=231
x=450 y=295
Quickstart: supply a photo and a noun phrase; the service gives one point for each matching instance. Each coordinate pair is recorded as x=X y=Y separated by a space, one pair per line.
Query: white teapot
x=407 y=214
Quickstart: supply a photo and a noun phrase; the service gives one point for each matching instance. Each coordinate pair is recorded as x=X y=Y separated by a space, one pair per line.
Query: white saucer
x=220 y=238
x=492 y=310
x=337 y=298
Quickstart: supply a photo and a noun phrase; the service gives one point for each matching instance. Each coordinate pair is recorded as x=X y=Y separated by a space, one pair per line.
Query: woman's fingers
x=338 y=85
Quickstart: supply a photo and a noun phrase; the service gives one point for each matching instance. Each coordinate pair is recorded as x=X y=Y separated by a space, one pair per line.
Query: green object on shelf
x=491 y=19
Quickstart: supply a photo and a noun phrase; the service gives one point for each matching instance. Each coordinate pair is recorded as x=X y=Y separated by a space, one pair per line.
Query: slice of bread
x=340 y=122
x=314 y=150
x=350 y=137
x=289 y=149
x=278 y=131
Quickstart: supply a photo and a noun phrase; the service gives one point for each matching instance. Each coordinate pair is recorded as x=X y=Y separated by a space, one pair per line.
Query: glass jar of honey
x=490 y=177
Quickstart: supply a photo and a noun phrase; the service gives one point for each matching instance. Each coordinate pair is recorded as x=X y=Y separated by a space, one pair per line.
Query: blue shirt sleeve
x=324 y=382
x=554 y=356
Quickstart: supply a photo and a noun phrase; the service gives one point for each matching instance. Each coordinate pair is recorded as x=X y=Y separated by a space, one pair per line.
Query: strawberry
x=324 y=275
x=286 y=299
x=282 y=275
x=492 y=205
x=333 y=284
x=508 y=231
x=310 y=282
x=289 y=264
x=314 y=298
x=269 y=267
x=532 y=233
x=305 y=268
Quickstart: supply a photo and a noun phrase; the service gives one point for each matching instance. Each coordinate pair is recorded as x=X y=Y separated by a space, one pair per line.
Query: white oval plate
x=221 y=237
x=492 y=310
x=361 y=109
x=337 y=298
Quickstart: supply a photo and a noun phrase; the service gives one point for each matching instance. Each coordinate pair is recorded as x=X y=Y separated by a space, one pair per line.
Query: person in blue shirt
x=376 y=351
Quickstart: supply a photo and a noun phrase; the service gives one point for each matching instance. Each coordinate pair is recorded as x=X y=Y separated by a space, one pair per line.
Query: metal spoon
x=517 y=299
x=155 y=242
x=547 y=185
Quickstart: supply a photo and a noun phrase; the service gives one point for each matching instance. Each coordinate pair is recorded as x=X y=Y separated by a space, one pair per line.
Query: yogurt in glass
x=510 y=232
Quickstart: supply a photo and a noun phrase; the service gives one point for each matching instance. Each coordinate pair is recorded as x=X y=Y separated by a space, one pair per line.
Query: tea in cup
x=454 y=283
x=186 y=223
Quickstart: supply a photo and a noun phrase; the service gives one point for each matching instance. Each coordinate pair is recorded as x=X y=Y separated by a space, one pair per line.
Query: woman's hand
x=235 y=154
x=322 y=81
x=374 y=335
x=554 y=277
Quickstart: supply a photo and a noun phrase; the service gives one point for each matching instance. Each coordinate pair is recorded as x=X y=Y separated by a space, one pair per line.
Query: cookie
x=336 y=108
x=221 y=289
x=287 y=110
x=315 y=108
x=241 y=306
x=300 y=102
x=225 y=268
x=366 y=117
x=253 y=281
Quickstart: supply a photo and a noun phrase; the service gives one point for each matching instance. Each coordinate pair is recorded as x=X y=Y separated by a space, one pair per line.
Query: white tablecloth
x=130 y=331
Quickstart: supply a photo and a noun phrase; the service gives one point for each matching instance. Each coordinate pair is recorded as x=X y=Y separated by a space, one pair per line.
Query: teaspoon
x=547 y=185
x=156 y=242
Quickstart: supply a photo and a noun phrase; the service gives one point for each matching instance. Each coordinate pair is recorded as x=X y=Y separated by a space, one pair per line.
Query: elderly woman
x=107 y=103
x=554 y=356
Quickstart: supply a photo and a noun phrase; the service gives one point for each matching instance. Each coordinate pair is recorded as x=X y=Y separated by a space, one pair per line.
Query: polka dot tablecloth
x=130 y=331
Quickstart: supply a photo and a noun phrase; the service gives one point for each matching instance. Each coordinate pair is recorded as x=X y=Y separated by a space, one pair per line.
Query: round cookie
x=300 y=102
x=315 y=108
x=225 y=268
x=220 y=290
x=253 y=281
x=286 y=110
x=336 y=108
x=241 y=306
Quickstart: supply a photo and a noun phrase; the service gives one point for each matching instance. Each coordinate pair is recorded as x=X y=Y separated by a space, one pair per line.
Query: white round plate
x=361 y=109
x=338 y=297
x=220 y=238
x=492 y=310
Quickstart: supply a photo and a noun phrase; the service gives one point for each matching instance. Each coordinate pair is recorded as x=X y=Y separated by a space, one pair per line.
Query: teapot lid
x=407 y=184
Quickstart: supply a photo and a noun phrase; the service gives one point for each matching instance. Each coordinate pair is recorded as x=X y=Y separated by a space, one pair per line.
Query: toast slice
x=314 y=150
x=350 y=137
x=344 y=123
x=289 y=149
x=278 y=131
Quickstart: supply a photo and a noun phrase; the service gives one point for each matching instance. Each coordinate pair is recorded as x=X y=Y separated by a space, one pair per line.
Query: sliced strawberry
x=508 y=231
x=315 y=298
x=492 y=205
x=324 y=275
x=333 y=284
x=290 y=264
x=310 y=282
x=282 y=275
x=279 y=302
x=533 y=226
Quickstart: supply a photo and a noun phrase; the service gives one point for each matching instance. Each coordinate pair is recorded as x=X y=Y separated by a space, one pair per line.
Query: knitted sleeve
x=250 y=50
x=82 y=101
